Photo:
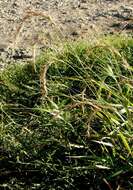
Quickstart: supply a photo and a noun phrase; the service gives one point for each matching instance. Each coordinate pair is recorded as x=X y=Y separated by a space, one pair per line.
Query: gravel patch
x=22 y=22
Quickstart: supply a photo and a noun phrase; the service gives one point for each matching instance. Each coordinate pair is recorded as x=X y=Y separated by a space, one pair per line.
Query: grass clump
x=69 y=124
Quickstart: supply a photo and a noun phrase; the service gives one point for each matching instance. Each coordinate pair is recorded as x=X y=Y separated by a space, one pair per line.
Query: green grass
x=69 y=125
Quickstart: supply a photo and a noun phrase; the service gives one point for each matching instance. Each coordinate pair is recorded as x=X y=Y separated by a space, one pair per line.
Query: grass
x=68 y=125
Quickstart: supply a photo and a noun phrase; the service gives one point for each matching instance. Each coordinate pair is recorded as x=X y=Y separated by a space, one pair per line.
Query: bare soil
x=22 y=22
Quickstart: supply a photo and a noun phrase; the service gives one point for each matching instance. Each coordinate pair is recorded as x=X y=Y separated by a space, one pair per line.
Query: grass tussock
x=69 y=124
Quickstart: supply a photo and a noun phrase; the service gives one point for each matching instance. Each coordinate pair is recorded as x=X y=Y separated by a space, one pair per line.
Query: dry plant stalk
x=34 y=58
x=43 y=80
x=27 y=16
x=90 y=119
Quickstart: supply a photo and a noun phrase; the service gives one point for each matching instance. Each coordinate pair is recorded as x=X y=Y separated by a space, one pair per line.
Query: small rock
x=74 y=33
x=83 y=6
x=129 y=26
x=21 y=54
x=3 y=47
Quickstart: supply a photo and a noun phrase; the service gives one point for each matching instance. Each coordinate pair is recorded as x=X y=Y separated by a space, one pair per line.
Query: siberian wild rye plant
x=29 y=15
x=69 y=125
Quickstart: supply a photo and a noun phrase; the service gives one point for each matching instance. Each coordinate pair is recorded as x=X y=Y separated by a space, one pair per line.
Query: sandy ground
x=23 y=22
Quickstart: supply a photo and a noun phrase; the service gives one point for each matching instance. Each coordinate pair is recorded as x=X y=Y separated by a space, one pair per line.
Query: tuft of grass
x=69 y=124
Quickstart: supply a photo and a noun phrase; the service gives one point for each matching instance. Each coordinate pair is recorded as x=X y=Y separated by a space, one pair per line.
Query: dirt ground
x=23 y=22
